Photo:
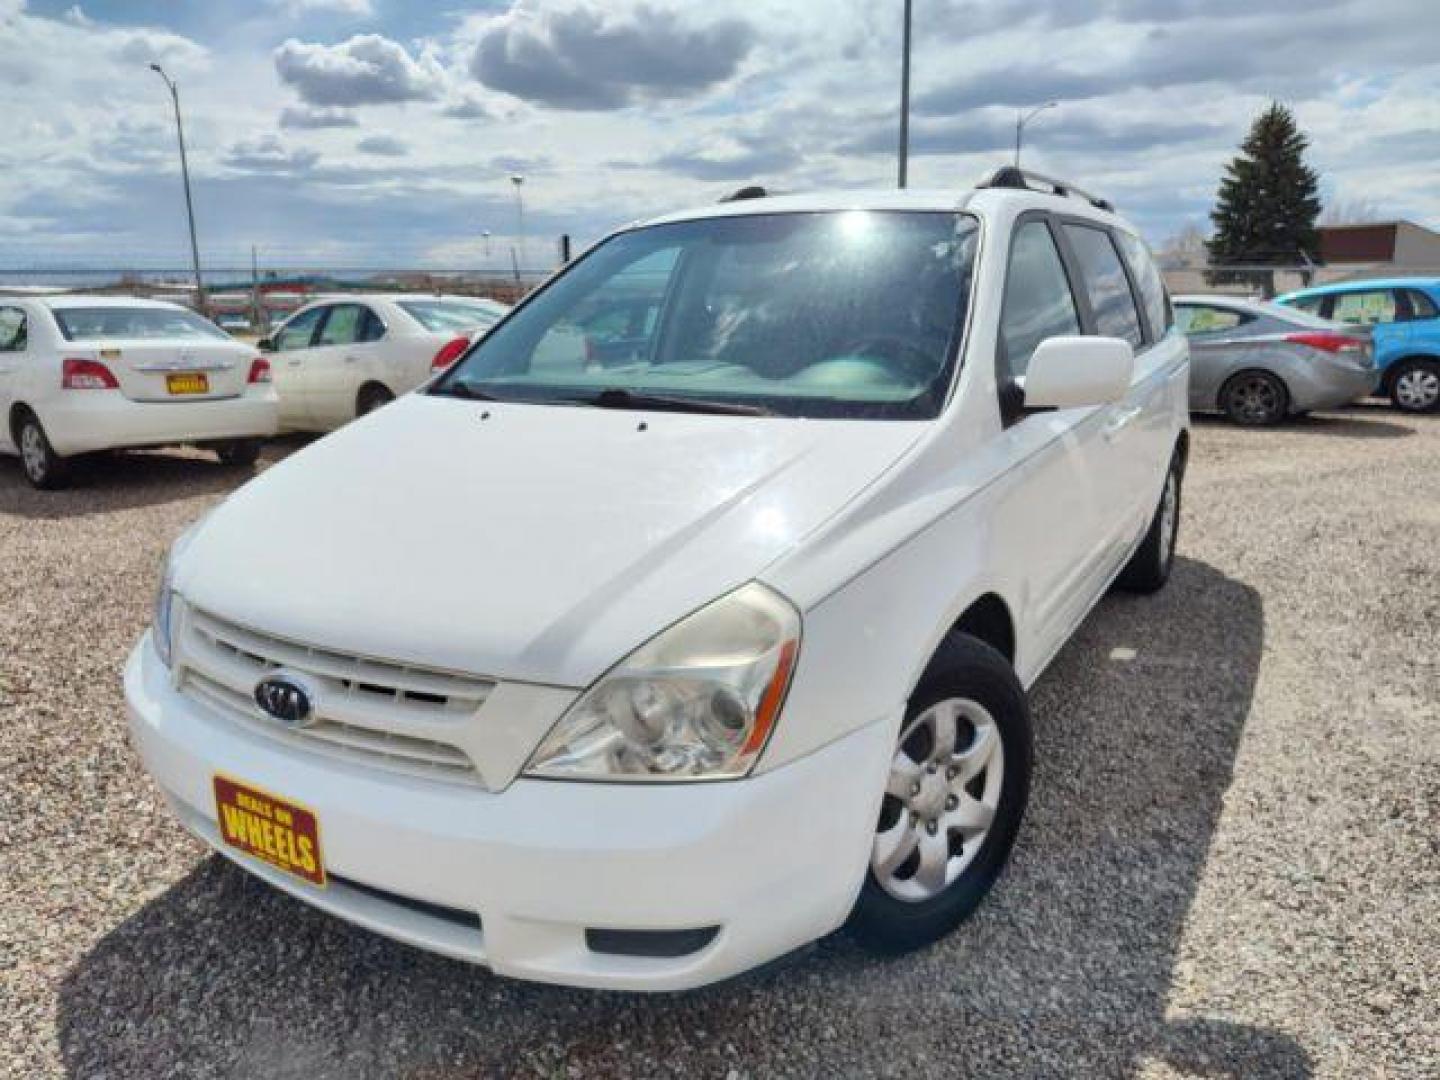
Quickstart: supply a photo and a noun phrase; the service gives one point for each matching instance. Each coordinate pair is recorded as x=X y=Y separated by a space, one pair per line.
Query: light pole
x=1022 y=119
x=905 y=100
x=519 y=182
x=185 y=175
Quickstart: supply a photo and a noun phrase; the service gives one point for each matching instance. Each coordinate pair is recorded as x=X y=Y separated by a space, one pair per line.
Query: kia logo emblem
x=286 y=698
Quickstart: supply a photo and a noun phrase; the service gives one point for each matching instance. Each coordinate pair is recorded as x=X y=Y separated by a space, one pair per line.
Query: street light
x=185 y=174
x=518 y=181
x=905 y=100
x=1022 y=120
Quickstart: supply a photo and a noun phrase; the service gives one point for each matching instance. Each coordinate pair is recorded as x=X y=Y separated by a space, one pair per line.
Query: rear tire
x=44 y=468
x=1149 y=568
x=242 y=453
x=955 y=796
x=1415 y=386
x=1255 y=399
x=372 y=397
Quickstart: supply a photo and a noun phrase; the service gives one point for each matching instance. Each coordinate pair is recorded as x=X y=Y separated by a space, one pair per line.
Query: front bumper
x=85 y=421
x=773 y=861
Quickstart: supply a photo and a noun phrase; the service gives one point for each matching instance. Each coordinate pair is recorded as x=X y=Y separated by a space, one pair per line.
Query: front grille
x=389 y=715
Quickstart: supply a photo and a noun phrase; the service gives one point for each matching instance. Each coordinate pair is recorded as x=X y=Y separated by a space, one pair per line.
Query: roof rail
x=1012 y=176
x=753 y=191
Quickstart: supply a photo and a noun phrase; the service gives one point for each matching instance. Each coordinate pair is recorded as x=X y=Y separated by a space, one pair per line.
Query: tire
x=372 y=397
x=1149 y=568
x=1255 y=399
x=976 y=687
x=1415 y=386
x=242 y=453
x=44 y=468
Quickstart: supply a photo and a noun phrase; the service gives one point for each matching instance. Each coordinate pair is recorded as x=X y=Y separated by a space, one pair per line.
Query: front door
x=288 y=365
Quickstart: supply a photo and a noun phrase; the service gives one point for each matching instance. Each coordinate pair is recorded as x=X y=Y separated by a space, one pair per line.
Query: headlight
x=696 y=702
x=160 y=623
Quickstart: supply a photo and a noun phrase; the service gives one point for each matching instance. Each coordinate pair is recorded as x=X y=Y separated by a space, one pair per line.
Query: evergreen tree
x=1268 y=201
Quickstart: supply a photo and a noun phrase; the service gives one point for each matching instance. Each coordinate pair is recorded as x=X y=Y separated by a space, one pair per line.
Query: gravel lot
x=1231 y=864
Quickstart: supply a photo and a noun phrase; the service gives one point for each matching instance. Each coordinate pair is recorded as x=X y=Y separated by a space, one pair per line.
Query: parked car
x=86 y=373
x=342 y=357
x=234 y=324
x=1258 y=362
x=1403 y=315
x=713 y=646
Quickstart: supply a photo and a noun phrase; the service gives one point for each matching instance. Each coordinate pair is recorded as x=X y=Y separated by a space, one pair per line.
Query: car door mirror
x=265 y=344
x=1074 y=372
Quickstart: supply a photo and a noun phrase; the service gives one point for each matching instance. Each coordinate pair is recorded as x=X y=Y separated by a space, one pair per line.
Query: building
x=1388 y=247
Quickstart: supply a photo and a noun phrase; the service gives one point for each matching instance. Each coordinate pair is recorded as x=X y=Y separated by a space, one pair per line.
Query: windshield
x=850 y=314
x=97 y=323
x=440 y=315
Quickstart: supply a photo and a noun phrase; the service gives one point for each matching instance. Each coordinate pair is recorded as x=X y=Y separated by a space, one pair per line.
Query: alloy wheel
x=940 y=799
x=32 y=452
x=1418 y=389
x=1254 y=400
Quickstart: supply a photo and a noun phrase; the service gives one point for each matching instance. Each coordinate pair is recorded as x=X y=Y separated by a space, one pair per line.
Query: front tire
x=44 y=468
x=1149 y=568
x=1255 y=399
x=1415 y=386
x=954 y=799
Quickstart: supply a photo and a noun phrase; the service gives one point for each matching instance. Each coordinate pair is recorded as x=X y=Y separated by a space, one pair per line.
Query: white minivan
x=85 y=373
x=640 y=655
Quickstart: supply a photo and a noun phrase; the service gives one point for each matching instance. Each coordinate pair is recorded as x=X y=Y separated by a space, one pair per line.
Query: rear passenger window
x=373 y=329
x=1038 y=303
x=1365 y=308
x=1203 y=319
x=1148 y=281
x=12 y=329
x=1421 y=306
x=1106 y=284
x=1311 y=305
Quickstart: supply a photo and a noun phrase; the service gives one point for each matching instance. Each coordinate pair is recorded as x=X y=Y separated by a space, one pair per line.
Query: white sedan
x=342 y=357
x=86 y=373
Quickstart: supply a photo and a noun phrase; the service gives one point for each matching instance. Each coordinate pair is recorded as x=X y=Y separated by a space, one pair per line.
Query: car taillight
x=449 y=353
x=1327 y=341
x=77 y=374
x=259 y=371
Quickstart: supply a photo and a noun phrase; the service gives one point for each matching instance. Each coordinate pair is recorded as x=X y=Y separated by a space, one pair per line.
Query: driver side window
x=299 y=331
x=1038 y=303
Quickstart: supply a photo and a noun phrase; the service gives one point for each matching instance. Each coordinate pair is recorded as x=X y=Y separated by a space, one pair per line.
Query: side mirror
x=266 y=344
x=1075 y=372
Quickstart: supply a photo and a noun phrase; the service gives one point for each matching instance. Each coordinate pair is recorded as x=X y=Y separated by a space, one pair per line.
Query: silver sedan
x=1258 y=362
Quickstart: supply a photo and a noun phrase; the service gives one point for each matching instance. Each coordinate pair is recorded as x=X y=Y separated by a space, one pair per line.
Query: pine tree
x=1268 y=200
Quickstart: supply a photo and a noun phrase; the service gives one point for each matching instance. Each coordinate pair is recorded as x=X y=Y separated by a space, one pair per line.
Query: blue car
x=1404 y=317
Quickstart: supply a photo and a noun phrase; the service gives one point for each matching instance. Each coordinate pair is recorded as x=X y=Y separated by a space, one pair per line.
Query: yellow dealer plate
x=196 y=383
x=274 y=830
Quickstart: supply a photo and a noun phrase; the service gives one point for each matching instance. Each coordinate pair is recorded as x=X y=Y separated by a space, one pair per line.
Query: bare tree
x=1357 y=211
x=1185 y=248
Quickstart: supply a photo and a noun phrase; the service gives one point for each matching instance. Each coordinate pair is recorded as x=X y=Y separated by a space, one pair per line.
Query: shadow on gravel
x=126 y=480
x=1357 y=422
x=1067 y=970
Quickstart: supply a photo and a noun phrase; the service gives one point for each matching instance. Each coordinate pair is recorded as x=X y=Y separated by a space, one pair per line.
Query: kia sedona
x=80 y=374
x=637 y=663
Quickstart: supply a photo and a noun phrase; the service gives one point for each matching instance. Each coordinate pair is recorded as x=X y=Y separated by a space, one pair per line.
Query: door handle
x=350 y=359
x=1120 y=420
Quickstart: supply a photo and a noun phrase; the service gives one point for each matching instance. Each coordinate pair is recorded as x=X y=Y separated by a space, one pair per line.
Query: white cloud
x=368 y=69
x=298 y=8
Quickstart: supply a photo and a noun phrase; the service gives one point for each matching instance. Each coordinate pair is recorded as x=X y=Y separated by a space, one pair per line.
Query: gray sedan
x=1258 y=362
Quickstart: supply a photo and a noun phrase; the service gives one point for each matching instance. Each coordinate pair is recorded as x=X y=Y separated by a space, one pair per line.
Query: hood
x=526 y=542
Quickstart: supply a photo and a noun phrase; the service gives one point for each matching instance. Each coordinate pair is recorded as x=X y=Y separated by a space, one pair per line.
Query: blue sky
x=379 y=133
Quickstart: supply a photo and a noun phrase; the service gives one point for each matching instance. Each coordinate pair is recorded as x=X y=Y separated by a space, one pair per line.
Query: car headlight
x=696 y=702
x=162 y=622
x=164 y=604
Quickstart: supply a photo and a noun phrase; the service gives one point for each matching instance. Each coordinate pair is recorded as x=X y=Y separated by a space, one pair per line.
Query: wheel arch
x=12 y=420
x=988 y=619
x=369 y=385
x=1387 y=377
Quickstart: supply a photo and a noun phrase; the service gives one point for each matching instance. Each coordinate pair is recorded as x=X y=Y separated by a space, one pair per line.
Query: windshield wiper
x=463 y=390
x=618 y=397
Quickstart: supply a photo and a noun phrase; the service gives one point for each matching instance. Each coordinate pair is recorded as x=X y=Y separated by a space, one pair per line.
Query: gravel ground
x=1230 y=866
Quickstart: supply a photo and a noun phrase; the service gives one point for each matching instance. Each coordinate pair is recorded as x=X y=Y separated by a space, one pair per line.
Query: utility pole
x=255 y=289
x=185 y=175
x=519 y=181
x=905 y=101
x=1022 y=119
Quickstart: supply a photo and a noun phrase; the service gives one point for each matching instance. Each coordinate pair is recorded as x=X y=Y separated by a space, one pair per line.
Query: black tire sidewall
x=54 y=464
x=962 y=667
x=1282 y=399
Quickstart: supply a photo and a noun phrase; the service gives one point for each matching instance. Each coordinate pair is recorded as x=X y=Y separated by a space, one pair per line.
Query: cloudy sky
x=383 y=133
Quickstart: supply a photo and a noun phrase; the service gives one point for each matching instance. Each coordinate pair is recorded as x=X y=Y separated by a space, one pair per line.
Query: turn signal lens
x=698 y=702
x=79 y=374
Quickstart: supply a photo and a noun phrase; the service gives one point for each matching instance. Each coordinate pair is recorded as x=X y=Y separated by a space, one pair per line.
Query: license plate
x=197 y=383
x=266 y=827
